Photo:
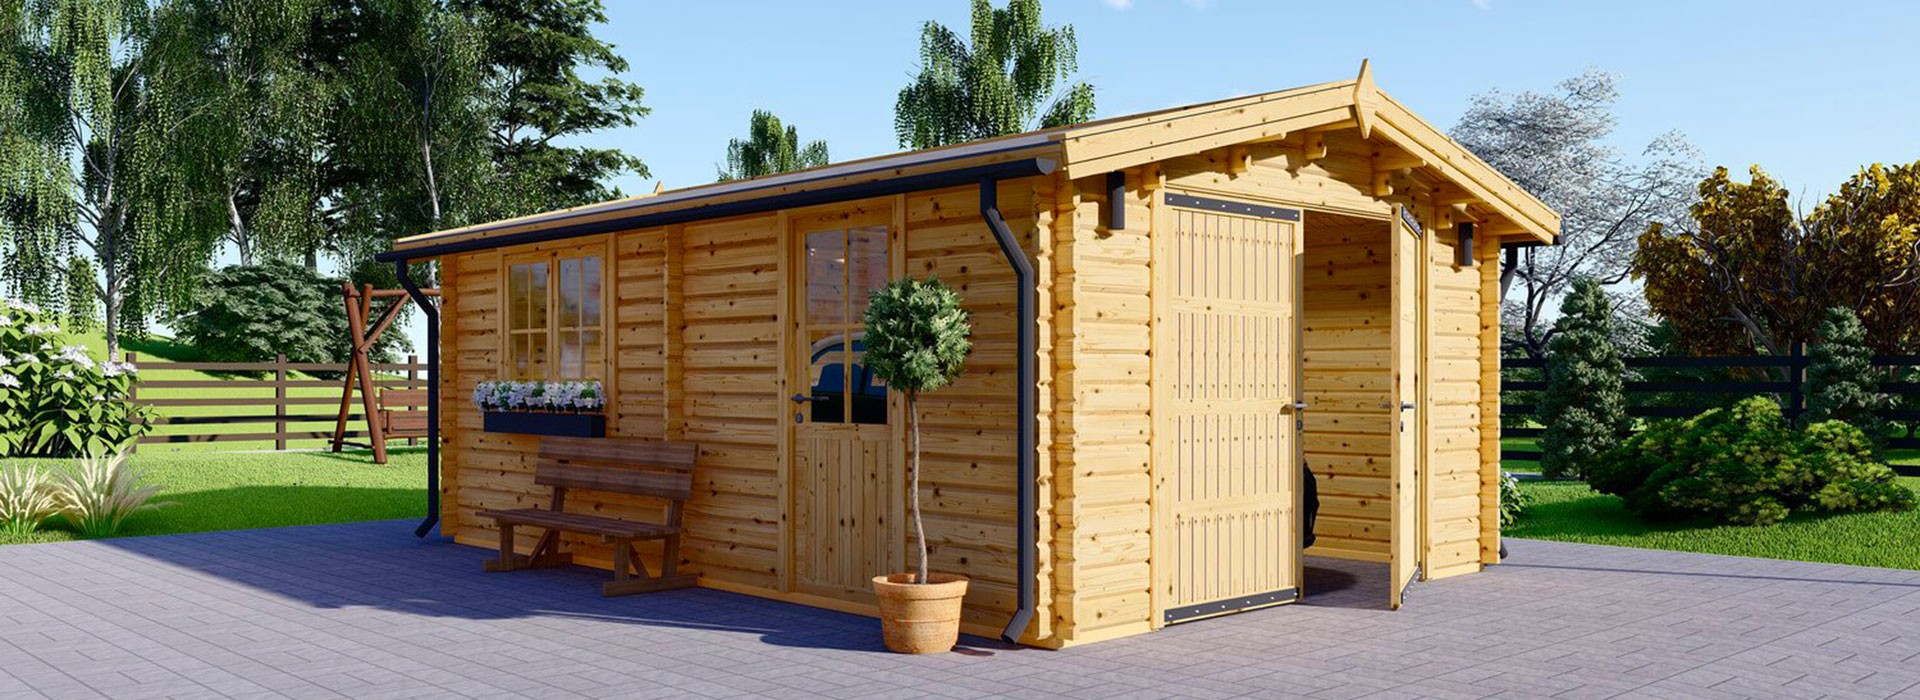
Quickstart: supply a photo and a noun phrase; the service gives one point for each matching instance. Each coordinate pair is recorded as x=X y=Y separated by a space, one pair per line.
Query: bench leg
x=546 y=553
x=670 y=556
x=624 y=584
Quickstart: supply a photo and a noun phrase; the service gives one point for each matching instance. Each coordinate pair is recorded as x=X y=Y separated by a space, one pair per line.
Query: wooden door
x=1408 y=403
x=1226 y=437
x=845 y=489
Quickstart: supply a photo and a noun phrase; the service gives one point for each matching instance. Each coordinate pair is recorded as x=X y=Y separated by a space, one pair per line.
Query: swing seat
x=403 y=413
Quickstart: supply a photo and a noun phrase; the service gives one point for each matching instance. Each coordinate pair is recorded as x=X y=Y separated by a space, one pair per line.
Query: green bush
x=1513 y=501
x=1747 y=465
x=1585 y=404
x=56 y=400
x=251 y=313
x=100 y=492
x=1841 y=382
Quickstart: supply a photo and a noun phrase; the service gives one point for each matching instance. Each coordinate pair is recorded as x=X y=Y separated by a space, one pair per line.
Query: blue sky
x=1809 y=92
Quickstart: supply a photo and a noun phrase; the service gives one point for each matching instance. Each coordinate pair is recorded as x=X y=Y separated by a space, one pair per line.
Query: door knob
x=801 y=398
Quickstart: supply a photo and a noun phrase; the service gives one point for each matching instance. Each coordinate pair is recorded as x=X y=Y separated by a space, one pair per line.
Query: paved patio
x=366 y=611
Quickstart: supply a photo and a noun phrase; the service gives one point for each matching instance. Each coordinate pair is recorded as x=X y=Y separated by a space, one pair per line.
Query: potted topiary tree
x=917 y=342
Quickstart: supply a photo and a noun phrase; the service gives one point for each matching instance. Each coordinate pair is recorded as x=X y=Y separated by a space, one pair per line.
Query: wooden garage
x=1172 y=311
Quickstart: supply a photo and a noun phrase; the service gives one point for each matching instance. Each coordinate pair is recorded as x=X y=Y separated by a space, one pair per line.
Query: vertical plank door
x=1226 y=444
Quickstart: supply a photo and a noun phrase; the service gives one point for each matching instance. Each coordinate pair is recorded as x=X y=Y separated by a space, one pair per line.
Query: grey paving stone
x=363 y=610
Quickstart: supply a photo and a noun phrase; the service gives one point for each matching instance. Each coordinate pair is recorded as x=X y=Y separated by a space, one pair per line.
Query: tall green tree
x=413 y=146
x=1012 y=69
x=103 y=160
x=1841 y=381
x=770 y=148
x=1584 y=407
x=532 y=53
x=251 y=58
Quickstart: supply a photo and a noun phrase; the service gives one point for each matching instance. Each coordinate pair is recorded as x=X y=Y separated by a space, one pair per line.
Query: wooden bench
x=610 y=465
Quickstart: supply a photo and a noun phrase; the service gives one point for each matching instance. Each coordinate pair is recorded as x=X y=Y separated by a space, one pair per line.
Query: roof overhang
x=998 y=159
x=1083 y=150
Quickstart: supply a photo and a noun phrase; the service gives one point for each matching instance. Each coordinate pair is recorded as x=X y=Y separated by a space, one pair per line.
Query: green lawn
x=1901 y=456
x=1571 y=512
x=239 y=490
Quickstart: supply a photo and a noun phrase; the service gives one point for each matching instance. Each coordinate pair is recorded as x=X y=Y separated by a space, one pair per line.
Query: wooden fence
x=255 y=415
x=1679 y=387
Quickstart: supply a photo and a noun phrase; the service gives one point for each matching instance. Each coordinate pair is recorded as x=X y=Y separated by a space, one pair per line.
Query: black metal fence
x=1679 y=387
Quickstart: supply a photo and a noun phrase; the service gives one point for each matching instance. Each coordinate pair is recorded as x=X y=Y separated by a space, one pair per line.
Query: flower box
x=590 y=425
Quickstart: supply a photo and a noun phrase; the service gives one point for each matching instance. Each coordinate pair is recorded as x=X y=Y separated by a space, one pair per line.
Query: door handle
x=801 y=398
x=1298 y=406
x=1406 y=406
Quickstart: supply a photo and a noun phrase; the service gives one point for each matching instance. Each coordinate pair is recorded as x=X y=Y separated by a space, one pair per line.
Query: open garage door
x=1406 y=441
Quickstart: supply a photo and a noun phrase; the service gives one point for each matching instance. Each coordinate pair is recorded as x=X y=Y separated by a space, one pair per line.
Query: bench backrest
x=403 y=398
x=617 y=465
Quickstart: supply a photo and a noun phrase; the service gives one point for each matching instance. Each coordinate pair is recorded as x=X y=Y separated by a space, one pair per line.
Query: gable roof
x=1080 y=150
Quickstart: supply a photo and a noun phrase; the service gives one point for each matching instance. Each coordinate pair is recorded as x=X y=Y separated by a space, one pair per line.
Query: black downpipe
x=1024 y=379
x=405 y=273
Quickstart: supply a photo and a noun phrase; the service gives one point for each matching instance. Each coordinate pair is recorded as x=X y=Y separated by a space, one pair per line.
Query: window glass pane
x=569 y=292
x=866 y=266
x=590 y=292
x=569 y=354
x=868 y=395
x=827 y=376
x=517 y=297
x=537 y=296
x=537 y=354
x=826 y=277
x=594 y=352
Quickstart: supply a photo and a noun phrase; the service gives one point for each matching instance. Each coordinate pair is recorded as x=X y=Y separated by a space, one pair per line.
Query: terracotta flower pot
x=920 y=618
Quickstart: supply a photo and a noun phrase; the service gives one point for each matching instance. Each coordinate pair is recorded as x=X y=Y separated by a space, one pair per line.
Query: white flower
x=42 y=329
x=26 y=358
x=6 y=320
x=3 y=359
x=65 y=374
x=9 y=381
x=22 y=306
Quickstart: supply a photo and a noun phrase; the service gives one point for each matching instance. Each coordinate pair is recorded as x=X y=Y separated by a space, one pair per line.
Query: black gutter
x=1024 y=377
x=1024 y=167
x=405 y=273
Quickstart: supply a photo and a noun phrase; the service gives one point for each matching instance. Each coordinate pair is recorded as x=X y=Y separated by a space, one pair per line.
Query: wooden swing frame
x=360 y=302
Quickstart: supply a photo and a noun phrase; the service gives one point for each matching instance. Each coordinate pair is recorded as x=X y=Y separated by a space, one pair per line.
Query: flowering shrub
x=55 y=399
x=541 y=397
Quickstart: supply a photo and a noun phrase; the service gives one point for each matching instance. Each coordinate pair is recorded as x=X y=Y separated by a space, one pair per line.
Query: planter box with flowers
x=565 y=409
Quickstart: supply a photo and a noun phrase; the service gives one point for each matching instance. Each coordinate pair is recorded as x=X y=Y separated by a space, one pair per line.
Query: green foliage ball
x=917 y=335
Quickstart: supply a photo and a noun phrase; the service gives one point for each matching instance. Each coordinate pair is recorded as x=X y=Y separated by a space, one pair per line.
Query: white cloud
x=1122 y=5
x=1482 y=4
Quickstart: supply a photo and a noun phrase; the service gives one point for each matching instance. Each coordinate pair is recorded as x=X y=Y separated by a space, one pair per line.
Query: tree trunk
x=913 y=485
x=237 y=230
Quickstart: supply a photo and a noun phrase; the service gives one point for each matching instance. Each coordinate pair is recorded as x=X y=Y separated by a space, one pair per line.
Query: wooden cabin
x=1172 y=311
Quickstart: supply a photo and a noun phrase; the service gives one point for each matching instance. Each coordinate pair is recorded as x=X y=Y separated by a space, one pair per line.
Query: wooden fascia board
x=1510 y=200
x=1132 y=143
x=492 y=230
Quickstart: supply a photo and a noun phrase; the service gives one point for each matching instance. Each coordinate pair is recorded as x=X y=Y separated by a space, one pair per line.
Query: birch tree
x=1556 y=146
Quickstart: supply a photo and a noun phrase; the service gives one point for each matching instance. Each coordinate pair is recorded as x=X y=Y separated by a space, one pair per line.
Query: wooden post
x=346 y=389
x=280 y=401
x=1797 y=376
x=369 y=401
